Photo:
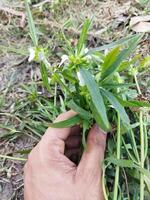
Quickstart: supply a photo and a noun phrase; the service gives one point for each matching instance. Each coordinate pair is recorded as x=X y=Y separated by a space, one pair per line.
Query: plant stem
x=115 y=196
x=146 y=140
x=129 y=154
x=55 y=95
x=13 y=158
x=137 y=84
x=142 y=138
x=126 y=181
x=103 y=183
x=142 y=156
x=135 y=146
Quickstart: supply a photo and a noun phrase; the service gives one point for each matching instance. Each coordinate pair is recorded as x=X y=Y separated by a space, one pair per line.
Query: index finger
x=55 y=137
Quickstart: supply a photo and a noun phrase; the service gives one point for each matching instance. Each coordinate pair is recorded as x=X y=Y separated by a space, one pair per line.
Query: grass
x=101 y=87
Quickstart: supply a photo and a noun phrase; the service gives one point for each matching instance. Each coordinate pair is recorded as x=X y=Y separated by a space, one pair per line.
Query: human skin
x=50 y=175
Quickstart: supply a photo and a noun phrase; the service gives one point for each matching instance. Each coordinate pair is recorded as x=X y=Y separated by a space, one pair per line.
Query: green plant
x=104 y=88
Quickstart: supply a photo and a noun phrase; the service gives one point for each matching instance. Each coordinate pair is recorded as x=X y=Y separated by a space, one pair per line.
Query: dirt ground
x=111 y=21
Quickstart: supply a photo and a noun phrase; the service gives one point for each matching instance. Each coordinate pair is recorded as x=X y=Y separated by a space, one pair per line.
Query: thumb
x=94 y=153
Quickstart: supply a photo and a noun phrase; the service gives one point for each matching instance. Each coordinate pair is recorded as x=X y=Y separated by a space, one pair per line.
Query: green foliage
x=33 y=33
x=67 y=123
x=83 y=113
x=83 y=36
x=96 y=99
x=121 y=57
x=44 y=75
x=98 y=89
x=119 y=108
x=103 y=88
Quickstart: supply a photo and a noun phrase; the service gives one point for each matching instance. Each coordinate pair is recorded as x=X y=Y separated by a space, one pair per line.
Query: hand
x=50 y=175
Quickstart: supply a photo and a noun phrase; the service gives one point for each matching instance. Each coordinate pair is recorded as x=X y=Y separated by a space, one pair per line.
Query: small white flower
x=64 y=58
x=86 y=50
x=49 y=79
x=88 y=57
x=81 y=81
x=31 y=54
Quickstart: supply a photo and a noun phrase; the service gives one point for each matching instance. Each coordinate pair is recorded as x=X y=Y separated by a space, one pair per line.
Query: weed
x=98 y=86
x=101 y=87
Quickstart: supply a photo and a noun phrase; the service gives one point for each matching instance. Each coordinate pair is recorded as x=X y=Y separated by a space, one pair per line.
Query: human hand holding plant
x=102 y=87
x=49 y=174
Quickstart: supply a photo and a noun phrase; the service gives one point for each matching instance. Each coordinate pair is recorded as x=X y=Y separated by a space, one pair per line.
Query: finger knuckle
x=96 y=141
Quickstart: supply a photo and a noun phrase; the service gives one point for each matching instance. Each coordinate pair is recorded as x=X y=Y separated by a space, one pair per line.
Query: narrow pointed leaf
x=118 y=107
x=83 y=113
x=44 y=75
x=133 y=103
x=98 y=118
x=96 y=98
x=121 y=57
x=83 y=35
x=118 y=85
x=31 y=24
x=110 y=58
x=120 y=162
x=122 y=41
x=67 y=123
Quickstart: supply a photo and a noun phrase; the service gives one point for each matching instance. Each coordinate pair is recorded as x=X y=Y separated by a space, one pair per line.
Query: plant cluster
x=102 y=87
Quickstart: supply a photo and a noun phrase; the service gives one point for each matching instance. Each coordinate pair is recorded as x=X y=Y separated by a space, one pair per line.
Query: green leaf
x=83 y=35
x=118 y=85
x=58 y=78
x=24 y=151
x=133 y=103
x=128 y=63
x=145 y=63
x=97 y=106
x=118 y=107
x=86 y=127
x=110 y=58
x=10 y=131
x=97 y=118
x=144 y=171
x=83 y=113
x=122 y=41
x=68 y=76
x=67 y=123
x=120 y=162
x=123 y=55
x=129 y=164
x=44 y=75
x=31 y=24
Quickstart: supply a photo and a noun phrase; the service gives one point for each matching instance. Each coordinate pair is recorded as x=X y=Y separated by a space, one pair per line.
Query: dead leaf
x=140 y=23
